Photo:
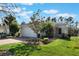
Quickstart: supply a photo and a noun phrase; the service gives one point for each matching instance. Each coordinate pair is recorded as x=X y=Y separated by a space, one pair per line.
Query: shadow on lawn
x=24 y=49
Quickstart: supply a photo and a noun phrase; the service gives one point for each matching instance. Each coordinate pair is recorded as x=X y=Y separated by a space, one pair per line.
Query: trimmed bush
x=45 y=41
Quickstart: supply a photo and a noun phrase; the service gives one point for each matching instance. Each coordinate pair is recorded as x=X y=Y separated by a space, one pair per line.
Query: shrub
x=45 y=41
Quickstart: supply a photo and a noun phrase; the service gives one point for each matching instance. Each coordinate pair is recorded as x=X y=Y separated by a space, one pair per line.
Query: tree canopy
x=12 y=23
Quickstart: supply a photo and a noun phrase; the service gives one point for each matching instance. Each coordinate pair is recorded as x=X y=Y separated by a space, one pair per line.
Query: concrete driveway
x=8 y=41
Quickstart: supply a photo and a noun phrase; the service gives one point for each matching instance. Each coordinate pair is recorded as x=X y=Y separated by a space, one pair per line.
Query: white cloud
x=51 y=11
x=17 y=10
x=30 y=4
x=66 y=15
x=25 y=14
x=29 y=12
x=21 y=10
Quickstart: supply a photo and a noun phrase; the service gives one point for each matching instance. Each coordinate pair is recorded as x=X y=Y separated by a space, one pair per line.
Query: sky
x=24 y=11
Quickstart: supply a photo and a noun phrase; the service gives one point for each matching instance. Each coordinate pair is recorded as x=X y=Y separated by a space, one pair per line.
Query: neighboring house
x=26 y=31
x=4 y=29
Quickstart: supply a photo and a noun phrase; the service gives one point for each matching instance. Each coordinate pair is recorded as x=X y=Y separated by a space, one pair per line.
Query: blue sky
x=25 y=10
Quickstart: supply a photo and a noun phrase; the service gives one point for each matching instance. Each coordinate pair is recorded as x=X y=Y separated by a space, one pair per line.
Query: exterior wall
x=27 y=32
x=64 y=29
x=7 y=29
x=4 y=29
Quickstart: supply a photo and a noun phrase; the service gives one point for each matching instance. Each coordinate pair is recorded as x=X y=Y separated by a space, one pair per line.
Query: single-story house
x=58 y=30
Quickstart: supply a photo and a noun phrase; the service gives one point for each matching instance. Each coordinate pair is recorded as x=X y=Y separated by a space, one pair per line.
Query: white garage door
x=27 y=32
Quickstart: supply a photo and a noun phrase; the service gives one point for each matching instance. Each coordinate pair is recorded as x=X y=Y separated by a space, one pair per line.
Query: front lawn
x=58 y=47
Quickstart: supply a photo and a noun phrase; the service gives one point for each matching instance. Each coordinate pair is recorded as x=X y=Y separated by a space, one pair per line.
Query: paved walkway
x=8 y=41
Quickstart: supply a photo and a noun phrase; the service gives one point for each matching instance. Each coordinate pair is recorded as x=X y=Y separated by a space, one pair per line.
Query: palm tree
x=53 y=19
x=70 y=22
x=76 y=24
x=61 y=18
x=48 y=18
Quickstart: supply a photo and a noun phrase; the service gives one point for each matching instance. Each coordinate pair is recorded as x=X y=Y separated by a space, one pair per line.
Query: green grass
x=58 y=47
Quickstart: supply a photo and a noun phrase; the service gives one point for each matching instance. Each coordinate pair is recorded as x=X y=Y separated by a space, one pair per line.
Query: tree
x=70 y=22
x=9 y=19
x=53 y=19
x=48 y=19
x=47 y=28
x=35 y=21
x=12 y=23
x=35 y=16
x=76 y=24
x=61 y=18
x=14 y=29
